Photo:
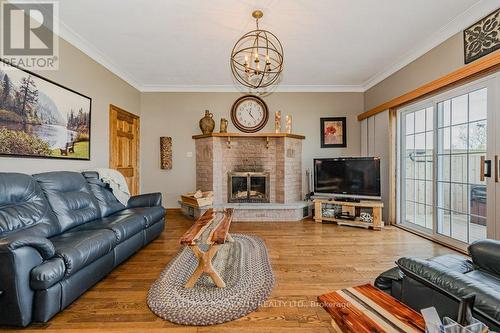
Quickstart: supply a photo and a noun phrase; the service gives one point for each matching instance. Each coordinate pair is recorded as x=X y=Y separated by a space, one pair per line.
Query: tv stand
x=351 y=209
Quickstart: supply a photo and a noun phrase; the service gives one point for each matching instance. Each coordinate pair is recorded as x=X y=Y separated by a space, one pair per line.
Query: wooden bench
x=217 y=237
x=70 y=148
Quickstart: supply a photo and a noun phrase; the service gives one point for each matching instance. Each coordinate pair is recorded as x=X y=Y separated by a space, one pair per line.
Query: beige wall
x=441 y=60
x=79 y=72
x=177 y=115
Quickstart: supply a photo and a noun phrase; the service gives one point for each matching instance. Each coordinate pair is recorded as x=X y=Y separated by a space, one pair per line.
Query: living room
x=249 y=166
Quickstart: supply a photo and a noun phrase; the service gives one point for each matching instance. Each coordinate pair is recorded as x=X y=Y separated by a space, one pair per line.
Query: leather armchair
x=444 y=280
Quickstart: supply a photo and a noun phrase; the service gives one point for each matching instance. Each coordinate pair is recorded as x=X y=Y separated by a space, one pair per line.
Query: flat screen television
x=352 y=177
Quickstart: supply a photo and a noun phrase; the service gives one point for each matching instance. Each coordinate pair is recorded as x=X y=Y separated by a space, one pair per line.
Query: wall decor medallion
x=483 y=37
x=249 y=114
x=41 y=118
x=207 y=123
x=166 y=153
x=333 y=132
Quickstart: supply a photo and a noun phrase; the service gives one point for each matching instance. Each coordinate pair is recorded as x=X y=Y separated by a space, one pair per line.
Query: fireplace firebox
x=252 y=187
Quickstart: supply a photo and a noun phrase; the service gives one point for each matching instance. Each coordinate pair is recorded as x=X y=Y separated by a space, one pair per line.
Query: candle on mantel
x=289 y=124
x=277 y=121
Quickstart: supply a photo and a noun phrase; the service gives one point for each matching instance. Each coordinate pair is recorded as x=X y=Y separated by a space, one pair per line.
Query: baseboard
x=173 y=210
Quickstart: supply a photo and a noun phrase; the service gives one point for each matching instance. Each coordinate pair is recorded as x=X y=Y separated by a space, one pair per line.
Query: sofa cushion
x=80 y=248
x=108 y=204
x=151 y=215
x=485 y=278
x=47 y=274
x=23 y=206
x=454 y=262
x=70 y=198
x=124 y=226
x=486 y=255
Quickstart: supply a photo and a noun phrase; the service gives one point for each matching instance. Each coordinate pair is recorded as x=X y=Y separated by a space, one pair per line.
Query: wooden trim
x=392 y=166
x=250 y=135
x=487 y=63
x=117 y=108
x=112 y=140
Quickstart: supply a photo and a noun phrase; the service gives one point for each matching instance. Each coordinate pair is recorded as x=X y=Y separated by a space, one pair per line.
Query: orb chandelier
x=257 y=57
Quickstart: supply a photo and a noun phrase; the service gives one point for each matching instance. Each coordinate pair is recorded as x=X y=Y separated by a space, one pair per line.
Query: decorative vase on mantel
x=207 y=123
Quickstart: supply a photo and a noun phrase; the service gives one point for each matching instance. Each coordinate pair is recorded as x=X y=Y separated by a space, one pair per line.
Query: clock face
x=249 y=114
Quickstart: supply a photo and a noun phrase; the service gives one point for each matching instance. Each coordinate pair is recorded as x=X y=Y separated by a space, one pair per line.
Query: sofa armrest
x=486 y=255
x=145 y=200
x=41 y=244
x=16 y=295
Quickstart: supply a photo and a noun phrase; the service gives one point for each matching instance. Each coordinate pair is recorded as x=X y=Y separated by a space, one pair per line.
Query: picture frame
x=482 y=37
x=333 y=132
x=40 y=118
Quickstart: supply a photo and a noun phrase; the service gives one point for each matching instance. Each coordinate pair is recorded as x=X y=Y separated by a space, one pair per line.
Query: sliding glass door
x=447 y=174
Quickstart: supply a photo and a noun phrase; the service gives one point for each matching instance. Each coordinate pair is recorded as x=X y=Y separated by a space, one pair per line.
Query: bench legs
x=205 y=266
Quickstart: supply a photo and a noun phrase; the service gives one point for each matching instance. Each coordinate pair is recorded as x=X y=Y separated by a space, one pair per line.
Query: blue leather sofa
x=60 y=233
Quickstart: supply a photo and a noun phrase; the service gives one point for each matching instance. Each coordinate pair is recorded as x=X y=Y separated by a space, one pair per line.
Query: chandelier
x=257 y=57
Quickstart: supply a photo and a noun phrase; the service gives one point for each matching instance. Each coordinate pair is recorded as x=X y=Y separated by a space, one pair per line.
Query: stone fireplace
x=260 y=175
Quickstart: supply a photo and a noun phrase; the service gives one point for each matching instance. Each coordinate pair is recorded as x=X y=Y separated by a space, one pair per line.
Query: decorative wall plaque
x=483 y=37
x=166 y=152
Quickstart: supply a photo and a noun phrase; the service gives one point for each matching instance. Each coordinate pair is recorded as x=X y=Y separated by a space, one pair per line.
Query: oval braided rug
x=244 y=266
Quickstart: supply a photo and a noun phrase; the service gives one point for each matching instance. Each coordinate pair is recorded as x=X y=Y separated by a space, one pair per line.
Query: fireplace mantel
x=250 y=135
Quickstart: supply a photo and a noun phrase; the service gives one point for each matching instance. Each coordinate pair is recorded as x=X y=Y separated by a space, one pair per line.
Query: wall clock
x=249 y=114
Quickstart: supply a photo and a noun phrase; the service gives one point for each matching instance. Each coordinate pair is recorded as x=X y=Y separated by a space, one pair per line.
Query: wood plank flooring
x=308 y=260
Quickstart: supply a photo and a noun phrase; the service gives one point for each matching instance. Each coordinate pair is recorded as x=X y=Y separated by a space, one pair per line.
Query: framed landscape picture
x=333 y=132
x=40 y=118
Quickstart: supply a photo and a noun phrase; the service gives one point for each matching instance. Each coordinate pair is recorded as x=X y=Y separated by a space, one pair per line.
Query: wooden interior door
x=124 y=131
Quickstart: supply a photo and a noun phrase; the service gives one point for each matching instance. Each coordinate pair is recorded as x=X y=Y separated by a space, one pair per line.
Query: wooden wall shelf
x=250 y=135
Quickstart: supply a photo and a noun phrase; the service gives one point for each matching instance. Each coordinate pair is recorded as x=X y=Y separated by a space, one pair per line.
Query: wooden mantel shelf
x=250 y=135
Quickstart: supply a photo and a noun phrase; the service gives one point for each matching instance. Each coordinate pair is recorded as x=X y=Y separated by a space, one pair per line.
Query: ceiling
x=329 y=45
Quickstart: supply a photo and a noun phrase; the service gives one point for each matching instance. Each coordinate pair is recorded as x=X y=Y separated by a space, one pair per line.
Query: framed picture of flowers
x=333 y=132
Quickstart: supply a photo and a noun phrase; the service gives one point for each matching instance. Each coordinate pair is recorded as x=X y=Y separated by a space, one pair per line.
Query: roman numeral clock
x=249 y=114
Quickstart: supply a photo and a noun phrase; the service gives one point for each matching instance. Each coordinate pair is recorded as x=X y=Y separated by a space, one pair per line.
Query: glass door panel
x=418 y=167
x=462 y=145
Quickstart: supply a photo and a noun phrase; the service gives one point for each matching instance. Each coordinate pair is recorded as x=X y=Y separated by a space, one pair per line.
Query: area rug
x=244 y=266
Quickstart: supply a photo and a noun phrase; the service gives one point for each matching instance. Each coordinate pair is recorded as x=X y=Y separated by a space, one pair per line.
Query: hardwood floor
x=308 y=260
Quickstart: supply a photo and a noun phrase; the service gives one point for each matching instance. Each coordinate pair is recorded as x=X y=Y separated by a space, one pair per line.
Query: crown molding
x=232 y=88
x=90 y=50
x=465 y=19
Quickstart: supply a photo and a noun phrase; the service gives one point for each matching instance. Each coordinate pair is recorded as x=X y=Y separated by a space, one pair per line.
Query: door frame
x=113 y=143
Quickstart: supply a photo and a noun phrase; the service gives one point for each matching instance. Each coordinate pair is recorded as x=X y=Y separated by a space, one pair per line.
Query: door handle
x=496 y=168
x=485 y=168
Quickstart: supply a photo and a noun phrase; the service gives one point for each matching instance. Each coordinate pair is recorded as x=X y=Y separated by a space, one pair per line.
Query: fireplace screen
x=248 y=187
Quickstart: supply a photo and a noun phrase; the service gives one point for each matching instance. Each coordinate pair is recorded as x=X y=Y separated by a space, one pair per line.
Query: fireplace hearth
x=248 y=187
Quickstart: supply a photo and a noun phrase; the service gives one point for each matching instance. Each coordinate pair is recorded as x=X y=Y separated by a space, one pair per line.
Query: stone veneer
x=281 y=157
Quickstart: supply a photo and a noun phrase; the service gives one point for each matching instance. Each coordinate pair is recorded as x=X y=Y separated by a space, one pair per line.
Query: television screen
x=357 y=176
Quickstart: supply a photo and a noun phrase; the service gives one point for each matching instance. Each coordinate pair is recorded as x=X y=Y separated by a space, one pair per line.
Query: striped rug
x=368 y=309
